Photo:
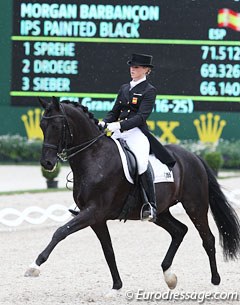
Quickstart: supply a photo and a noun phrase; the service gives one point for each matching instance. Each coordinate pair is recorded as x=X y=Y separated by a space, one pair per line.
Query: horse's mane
x=84 y=109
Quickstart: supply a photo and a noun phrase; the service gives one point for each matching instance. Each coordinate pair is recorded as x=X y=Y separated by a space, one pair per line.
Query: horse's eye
x=55 y=127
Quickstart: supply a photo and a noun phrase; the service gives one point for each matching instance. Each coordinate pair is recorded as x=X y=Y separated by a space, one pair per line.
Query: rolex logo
x=31 y=122
x=209 y=127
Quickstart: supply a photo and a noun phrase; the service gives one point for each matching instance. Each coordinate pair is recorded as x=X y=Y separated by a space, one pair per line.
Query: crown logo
x=32 y=124
x=209 y=127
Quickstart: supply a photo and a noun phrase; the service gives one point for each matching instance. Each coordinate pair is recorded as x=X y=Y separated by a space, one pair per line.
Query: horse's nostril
x=47 y=164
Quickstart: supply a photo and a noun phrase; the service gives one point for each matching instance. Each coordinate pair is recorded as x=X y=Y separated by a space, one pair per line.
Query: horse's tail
x=225 y=217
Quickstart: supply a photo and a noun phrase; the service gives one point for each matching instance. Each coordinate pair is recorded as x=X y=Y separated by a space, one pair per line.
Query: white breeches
x=138 y=143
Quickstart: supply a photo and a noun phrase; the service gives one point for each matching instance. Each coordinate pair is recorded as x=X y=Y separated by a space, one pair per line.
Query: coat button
x=129 y=110
x=120 y=102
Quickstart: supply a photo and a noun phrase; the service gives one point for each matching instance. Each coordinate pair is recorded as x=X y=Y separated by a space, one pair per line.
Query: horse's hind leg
x=84 y=219
x=177 y=230
x=103 y=235
x=198 y=216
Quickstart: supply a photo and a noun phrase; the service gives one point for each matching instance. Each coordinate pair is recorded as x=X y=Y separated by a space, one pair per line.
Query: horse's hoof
x=216 y=280
x=32 y=271
x=111 y=294
x=170 y=279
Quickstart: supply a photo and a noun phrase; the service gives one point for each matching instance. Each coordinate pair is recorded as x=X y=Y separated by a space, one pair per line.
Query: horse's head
x=53 y=125
x=68 y=129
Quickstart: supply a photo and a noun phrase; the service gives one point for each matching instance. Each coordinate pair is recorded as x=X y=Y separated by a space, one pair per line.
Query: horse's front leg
x=103 y=235
x=84 y=219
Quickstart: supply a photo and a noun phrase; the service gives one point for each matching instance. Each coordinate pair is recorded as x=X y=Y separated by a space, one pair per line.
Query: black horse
x=100 y=190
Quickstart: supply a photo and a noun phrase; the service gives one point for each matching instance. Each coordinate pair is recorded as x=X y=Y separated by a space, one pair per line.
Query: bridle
x=63 y=152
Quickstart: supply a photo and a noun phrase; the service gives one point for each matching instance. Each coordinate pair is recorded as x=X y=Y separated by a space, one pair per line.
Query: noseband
x=63 y=152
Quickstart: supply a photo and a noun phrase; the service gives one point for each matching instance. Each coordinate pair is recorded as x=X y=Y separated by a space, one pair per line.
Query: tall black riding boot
x=148 y=211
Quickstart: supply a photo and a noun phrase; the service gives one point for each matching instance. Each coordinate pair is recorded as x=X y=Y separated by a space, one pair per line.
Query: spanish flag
x=229 y=19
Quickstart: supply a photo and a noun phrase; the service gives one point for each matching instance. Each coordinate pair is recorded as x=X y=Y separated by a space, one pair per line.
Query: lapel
x=126 y=91
x=139 y=89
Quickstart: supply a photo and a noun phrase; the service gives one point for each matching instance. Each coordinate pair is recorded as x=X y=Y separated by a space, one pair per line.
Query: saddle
x=131 y=160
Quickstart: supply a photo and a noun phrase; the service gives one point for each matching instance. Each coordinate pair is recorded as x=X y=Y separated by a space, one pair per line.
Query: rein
x=66 y=153
x=80 y=148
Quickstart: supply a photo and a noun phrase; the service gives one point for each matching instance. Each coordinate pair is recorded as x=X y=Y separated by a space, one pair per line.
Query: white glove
x=102 y=124
x=113 y=126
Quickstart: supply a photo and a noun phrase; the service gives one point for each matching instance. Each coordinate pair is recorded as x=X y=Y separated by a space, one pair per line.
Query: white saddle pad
x=161 y=171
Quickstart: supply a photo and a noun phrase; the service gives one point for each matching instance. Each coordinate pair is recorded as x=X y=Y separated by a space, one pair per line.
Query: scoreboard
x=78 y=50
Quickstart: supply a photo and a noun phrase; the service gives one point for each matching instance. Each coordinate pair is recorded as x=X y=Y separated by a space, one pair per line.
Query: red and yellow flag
x=134 y=100
x=229 y=19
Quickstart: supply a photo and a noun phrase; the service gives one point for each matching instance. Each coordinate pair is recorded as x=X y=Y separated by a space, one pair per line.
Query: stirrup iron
x=151 y=216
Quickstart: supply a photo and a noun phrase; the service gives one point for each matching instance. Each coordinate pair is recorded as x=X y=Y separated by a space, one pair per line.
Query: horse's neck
x=83 y=129
x=84 y=135
x=86 y=162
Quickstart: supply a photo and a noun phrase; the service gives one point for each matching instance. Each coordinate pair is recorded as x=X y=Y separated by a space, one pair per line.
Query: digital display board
x=78 y=49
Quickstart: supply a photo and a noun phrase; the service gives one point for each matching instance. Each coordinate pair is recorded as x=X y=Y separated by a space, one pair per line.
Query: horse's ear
x=55 y=102
x=43 y=102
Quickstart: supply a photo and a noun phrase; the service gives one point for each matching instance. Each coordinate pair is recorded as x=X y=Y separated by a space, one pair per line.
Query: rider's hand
x=113 y=126
x=102 y=124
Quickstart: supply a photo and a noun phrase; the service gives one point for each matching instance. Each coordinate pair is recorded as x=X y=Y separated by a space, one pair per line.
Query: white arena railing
x=35 y=215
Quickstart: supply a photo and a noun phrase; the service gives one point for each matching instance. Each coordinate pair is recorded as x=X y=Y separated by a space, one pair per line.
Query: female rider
x=127 y=120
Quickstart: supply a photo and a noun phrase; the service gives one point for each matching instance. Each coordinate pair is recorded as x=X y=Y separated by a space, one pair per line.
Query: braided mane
x=84 y=109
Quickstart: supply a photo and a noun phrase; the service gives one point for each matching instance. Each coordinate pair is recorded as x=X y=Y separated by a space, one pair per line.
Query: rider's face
x=138 y=72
